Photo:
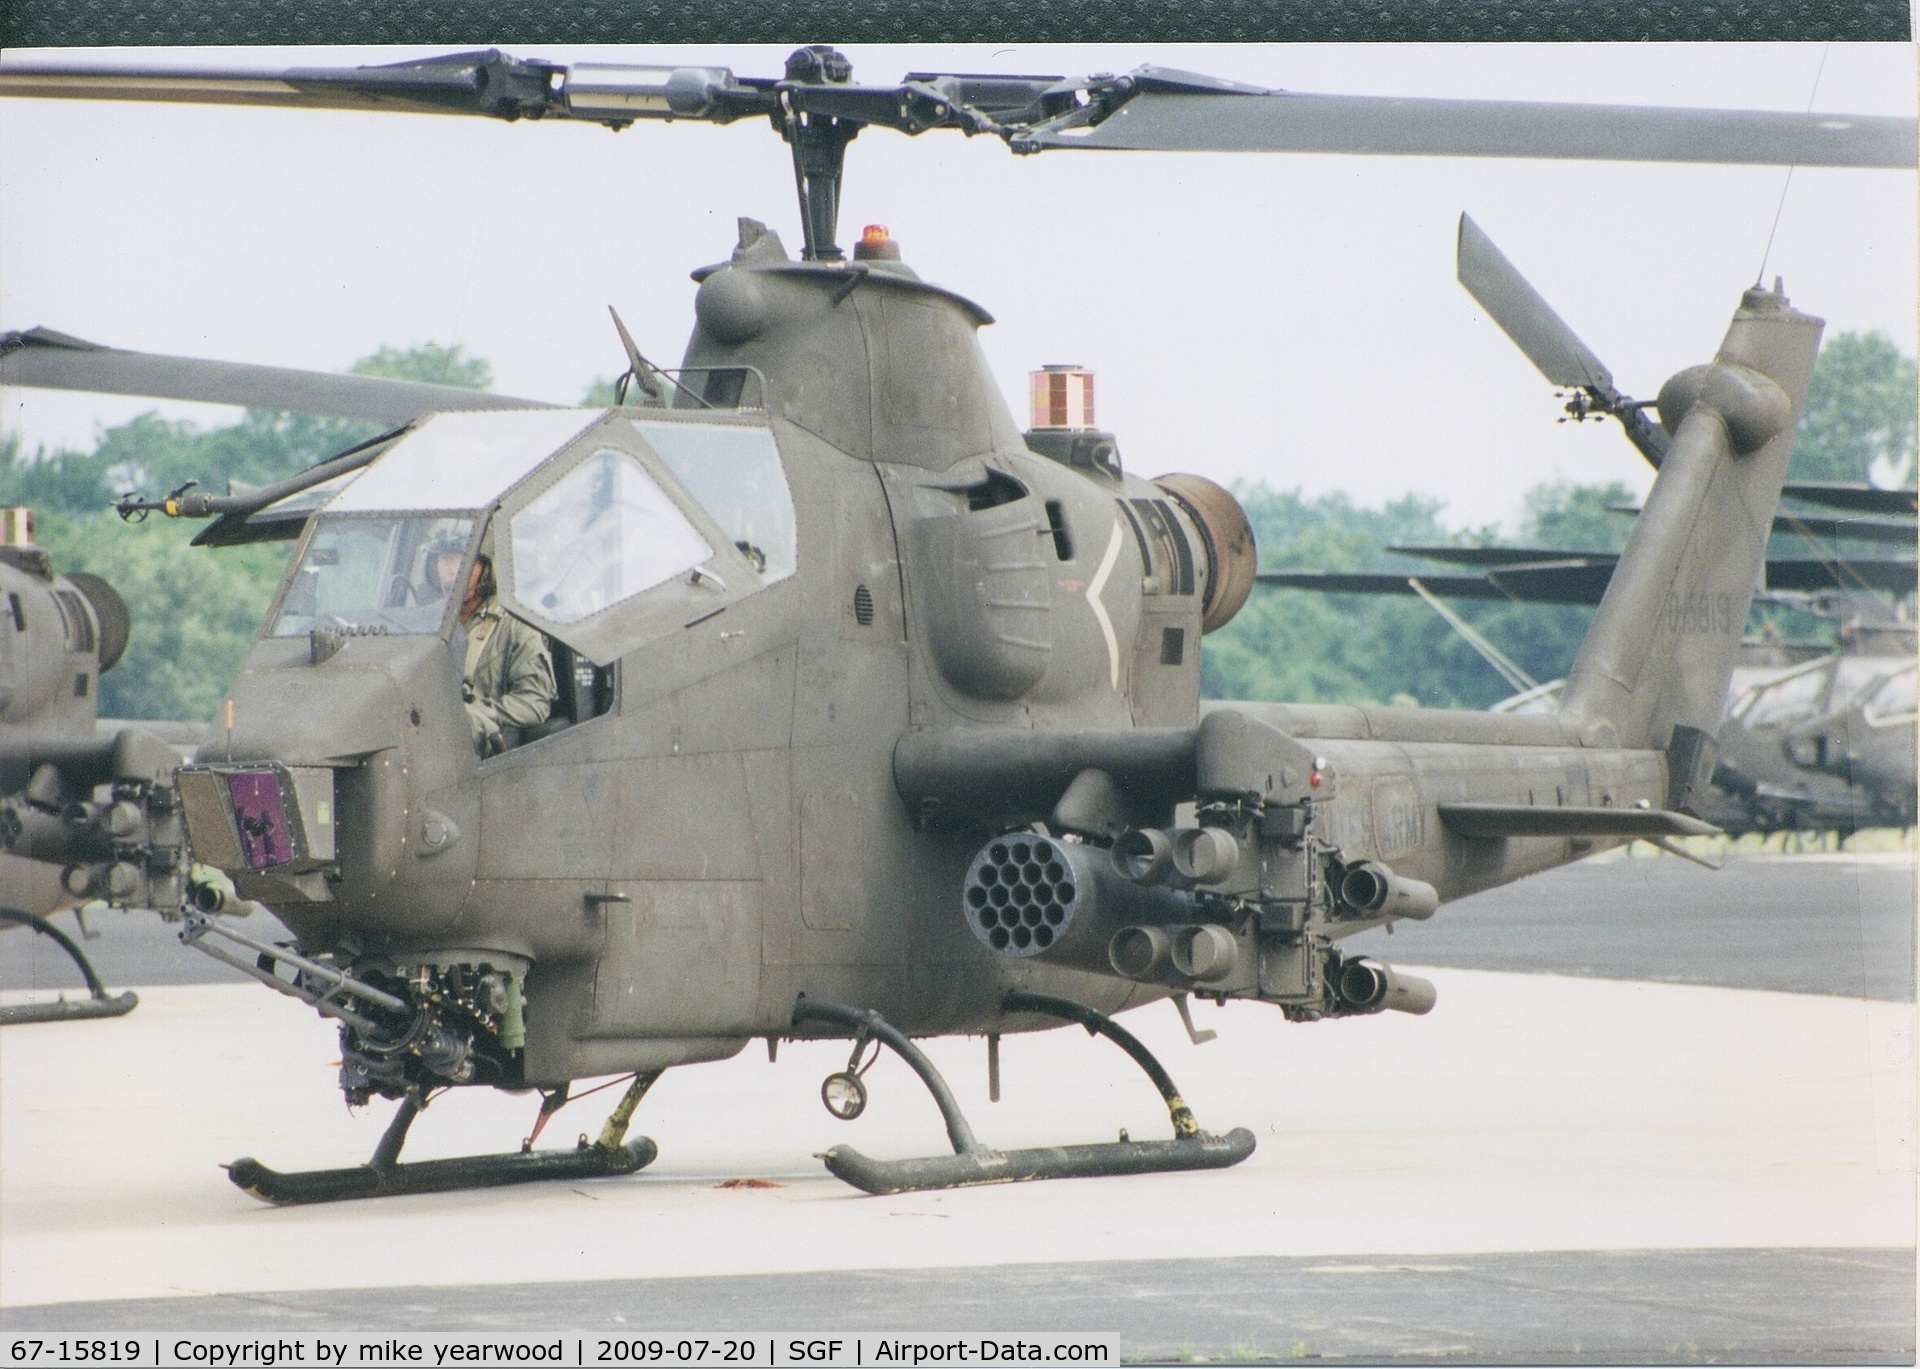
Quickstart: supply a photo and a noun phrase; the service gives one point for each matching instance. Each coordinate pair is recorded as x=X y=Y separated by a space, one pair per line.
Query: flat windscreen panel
x=603 y=533
x=462 y=460
x=372 y=574
x=735 y=473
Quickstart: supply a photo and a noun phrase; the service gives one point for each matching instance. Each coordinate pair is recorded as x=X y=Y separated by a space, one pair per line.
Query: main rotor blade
x=1152 y=109
x=1283 y=121
x=459 y=83
x=43 y=358
x=1525 y=316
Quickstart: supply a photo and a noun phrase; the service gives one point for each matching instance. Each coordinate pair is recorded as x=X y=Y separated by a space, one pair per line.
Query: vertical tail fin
x=1654 y=666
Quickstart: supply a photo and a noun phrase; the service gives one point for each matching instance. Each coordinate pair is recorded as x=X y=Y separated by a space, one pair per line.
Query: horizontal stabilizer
x=45 y=359
x=1525 y=820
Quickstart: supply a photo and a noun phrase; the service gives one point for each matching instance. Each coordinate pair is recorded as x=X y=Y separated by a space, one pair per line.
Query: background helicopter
x=731 y=318
x=85 y=813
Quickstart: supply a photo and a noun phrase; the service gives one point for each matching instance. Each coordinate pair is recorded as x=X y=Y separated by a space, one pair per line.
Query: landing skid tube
x=384 y=1176
x=973 y=1163
x=99 y=1003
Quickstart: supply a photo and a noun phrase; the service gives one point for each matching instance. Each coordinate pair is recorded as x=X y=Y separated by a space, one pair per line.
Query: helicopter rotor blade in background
x=1853 y=496
x=1581 y=578
x=45 y=359
x=1502 y=556
x=1382 y=582
x=1894 y=575
x=1152 y=109
x=1791 y=523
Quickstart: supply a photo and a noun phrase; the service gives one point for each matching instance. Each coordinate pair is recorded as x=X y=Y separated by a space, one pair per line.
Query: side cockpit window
x=735 y=474
x=603 y=533
x=610 y=545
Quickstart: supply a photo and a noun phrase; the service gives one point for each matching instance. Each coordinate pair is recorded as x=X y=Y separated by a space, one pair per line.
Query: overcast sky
x=1292 y=319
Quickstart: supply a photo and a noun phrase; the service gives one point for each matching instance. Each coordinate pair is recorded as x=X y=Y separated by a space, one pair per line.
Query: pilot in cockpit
x=507 y=681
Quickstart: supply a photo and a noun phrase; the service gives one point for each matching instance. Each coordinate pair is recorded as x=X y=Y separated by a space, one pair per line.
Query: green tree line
x=196 y=611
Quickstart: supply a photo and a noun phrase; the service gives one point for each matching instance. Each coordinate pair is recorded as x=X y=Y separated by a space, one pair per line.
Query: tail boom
x=1667 y=633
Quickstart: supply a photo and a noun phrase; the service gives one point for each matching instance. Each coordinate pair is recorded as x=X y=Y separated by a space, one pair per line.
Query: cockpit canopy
x=604 y=528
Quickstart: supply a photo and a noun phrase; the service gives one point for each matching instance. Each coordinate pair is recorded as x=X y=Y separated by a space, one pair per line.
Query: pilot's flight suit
x=508 y=680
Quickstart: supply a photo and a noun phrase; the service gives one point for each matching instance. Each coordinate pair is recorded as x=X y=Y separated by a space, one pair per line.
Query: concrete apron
x=1527 y=1112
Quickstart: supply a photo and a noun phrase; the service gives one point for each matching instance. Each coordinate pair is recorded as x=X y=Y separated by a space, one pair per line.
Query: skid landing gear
x=973 y=1163
x=384 y=1175
x=99 y=1002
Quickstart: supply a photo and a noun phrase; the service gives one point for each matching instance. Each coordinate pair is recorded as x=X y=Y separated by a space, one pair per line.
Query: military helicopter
x=85 y=812
x=880 y=717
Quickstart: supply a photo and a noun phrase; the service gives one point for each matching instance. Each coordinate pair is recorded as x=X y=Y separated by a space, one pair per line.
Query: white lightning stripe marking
x=1100 y=609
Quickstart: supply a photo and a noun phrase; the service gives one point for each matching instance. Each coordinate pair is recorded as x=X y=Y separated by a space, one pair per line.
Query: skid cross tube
x=867 y=1023
x=1099 y=1024
x=384 y=1175
x=973 y=1163
x=99 y=1003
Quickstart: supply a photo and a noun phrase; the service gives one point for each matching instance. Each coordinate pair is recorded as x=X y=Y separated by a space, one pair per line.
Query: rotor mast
x=819 y=142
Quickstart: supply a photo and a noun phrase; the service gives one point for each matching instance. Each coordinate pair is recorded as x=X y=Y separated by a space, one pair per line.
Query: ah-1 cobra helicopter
x=85 y=811
x=882 y=716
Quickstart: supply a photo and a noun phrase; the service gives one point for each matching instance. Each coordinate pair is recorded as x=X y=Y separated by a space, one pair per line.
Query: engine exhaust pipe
x=1369 y=986
x=1370 y=887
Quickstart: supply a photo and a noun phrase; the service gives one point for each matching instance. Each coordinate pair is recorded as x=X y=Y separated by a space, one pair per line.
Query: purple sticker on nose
x=261 y=818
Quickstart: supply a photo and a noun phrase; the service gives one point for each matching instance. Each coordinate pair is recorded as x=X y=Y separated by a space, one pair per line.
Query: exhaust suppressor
x=1369 y=986
x=1029 y=895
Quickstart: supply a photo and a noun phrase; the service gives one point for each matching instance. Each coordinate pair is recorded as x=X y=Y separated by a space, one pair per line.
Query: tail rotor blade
x=1548 y=342
x=1525 y=317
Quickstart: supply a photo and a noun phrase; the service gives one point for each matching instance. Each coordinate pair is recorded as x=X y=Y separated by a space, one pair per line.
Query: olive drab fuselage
x=786 y=792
